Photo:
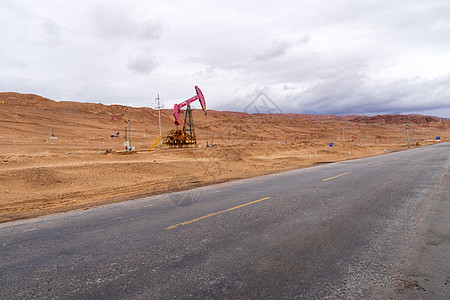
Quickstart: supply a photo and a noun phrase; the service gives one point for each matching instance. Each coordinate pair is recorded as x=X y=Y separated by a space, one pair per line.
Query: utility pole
x=407 y=133
x=127 y=143
x=129 y=133
x=159 y=118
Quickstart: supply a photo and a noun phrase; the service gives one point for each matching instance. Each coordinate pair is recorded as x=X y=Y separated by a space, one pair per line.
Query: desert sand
x=60 y=156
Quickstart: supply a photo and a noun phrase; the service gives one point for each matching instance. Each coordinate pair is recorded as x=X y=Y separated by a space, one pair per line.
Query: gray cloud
x=150 y=30
x=51 y=28
x=13 y=63
x=278 y=48
x=143 y=64
x=112 y=22
x=356 y=94
x=303 y=39
x=356 y=57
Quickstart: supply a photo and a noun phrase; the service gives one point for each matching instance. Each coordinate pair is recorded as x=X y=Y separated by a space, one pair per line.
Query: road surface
x=373 y=228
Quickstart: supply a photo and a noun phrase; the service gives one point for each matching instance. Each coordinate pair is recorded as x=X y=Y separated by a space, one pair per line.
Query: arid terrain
x=59 y=156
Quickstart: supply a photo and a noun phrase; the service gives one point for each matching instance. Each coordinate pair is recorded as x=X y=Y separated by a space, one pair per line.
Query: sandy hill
x=402 y=119
x=85 y=166
x=26 y=117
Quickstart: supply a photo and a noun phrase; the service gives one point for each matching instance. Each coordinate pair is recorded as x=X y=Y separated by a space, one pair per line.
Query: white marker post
x=407 y=133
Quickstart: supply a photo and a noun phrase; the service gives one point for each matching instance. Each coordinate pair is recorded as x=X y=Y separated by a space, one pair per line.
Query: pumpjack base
x=179 y=138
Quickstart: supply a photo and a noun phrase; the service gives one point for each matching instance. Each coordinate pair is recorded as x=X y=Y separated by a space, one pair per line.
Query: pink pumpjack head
x=177 y=107
x=201 y=98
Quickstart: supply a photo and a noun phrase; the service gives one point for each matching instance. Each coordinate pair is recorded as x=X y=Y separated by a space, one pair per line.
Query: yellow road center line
x=336 y=176
x=376 y=164
x=216 y=213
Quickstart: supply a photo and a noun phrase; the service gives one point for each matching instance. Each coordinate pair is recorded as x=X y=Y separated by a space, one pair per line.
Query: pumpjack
x=186 y=136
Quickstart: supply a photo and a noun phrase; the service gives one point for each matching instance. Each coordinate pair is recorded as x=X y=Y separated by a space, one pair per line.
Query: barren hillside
x=41 y=173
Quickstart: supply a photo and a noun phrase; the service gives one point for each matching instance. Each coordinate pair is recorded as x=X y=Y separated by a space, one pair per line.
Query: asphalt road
x=373 y=228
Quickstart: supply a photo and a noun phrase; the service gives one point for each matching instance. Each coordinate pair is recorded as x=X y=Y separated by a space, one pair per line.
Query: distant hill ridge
x=398 y=119
x=37 y=101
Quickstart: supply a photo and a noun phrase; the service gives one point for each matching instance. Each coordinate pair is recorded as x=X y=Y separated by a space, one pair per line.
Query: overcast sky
x=320 y=57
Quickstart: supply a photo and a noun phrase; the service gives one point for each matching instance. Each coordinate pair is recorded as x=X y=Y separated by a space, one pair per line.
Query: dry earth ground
x=39 y=175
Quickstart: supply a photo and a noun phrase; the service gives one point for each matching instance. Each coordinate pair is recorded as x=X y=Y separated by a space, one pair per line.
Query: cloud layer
x=327 y=57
